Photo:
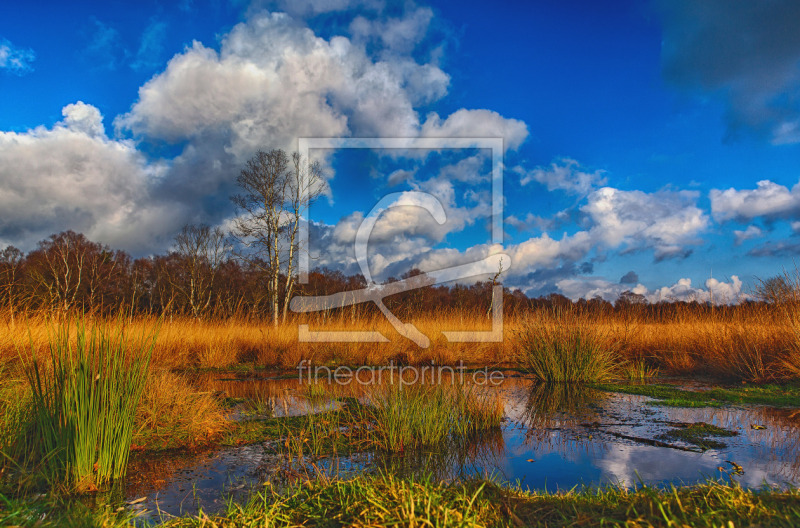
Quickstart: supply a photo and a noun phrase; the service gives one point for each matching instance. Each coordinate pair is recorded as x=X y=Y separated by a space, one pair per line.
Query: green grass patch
x=254 y=431
x=59 y=511
x=83 y=404
x=400 y=417
x=700 y=434
x=388 y=501
x=566 y=350
x=773 y=395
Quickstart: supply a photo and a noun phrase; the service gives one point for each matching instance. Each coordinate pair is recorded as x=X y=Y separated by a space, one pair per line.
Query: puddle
x=553 y=438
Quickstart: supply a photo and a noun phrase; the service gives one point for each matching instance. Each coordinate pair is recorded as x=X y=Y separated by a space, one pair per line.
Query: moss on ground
x=774 y=395
x=699 y=434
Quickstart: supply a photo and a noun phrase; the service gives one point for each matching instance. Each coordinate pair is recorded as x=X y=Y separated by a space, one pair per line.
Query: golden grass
x=749 y=343
x=172 y=413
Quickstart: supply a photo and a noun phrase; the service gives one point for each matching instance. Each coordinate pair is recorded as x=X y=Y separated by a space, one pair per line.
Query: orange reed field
x=756 y=343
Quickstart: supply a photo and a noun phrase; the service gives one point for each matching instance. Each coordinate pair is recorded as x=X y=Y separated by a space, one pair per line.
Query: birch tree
x=276 y=188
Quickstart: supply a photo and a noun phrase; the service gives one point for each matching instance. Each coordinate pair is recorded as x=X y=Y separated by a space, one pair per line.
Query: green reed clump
x=565 y=348
x=402 y=417
x=84 y=402
x=638 y=370
x=14 y=399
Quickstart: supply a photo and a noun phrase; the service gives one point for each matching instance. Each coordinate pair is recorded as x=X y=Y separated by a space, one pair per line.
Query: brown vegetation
x=750 y=342
x=217 y=313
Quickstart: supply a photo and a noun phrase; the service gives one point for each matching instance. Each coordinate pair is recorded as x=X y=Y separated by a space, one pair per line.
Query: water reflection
x=552 y=405
x=555 y=437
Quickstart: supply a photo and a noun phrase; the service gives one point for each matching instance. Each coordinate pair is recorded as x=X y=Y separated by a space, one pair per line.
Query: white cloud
x=73 y=177
x=565 y=174
x=85 y=118
x=768 y=199
x=272 y=81
x=526 y=257
x=399 y=176
x=400 y=34
x=666 y=221
x=477 y=124
x=717 y=291
x=749 y=233
x=589 y=288
x=15 y=60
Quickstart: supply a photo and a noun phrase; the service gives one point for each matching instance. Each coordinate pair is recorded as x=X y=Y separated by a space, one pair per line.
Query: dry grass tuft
x=173 y=414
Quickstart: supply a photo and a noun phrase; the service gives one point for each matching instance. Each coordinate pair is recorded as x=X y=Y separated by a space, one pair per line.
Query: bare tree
x=276 y=189
x=201 y=250
x=10 y=261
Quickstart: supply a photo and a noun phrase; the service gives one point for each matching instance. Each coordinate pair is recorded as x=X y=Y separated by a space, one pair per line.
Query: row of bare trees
x=249 y=272
x=203 y=277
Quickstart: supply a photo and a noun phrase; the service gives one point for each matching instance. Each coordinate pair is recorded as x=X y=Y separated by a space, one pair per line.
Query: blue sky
x=656 y=141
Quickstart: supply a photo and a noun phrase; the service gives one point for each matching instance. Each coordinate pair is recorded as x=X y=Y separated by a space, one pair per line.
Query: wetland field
x=573 y=420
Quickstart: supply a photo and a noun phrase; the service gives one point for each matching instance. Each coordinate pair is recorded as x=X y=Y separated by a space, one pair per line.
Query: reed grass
x=84 y=402
x=751 y=343
x=638 y=370
x=403 y=417
x=566 y=349
x=14 y=409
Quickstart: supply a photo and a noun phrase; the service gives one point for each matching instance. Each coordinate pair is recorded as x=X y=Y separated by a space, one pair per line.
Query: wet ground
x=553 y=438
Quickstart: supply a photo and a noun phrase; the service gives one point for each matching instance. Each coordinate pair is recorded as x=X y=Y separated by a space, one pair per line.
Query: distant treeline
x=68 y=272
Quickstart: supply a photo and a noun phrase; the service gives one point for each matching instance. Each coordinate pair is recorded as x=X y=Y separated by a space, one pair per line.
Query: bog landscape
x=127 y=404
x=387 y=263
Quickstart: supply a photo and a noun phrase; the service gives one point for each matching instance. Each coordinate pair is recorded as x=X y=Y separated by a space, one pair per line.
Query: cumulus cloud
x=769 y=200
x=589 y=288
x=718 y=292
x=274 y=80
x=72 y=176
x=85 y=118
x=564 y=174
x=536 y=253
x=15 y=60
x=629 y=278
x=749 y=233
x=666 y=221
x=744 y=52
x=476 y=123
x=404 y=232
x=401 y=34
x=270 y=81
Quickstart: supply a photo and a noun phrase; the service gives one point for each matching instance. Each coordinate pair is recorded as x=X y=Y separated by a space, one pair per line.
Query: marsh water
x=552 y=438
